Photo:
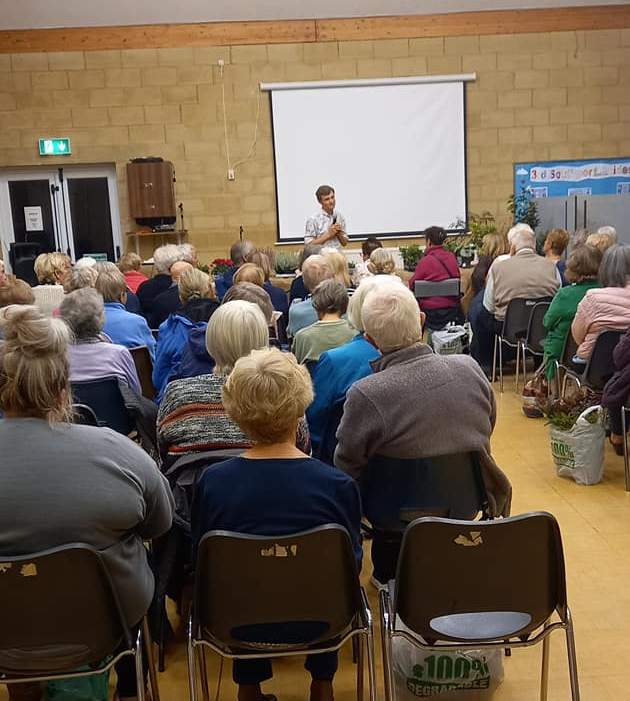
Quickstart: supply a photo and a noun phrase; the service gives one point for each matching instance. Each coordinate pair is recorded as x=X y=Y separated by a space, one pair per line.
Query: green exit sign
x=54 y=147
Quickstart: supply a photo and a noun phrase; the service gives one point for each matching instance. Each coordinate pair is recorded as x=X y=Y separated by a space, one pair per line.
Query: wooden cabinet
x=151 y=190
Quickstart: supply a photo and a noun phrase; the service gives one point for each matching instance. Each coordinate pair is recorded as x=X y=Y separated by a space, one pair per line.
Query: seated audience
x=361 y=270
x=278 y=296
x=523 y=274
x=194 y=289
x=492 y=246
x=617 y=392
x=274 y=488
x=382 y=263
x=133 y=303
x=601 y=241
x=239 y=253
x=339 y=264
x=129 y=265
x=51 y=270
x=607 y=307
x=80 y=277
x=249 y=272
x=554 y=247
x=437 y=265
x=298 y=291
x=191 y=417
x=581 y=274
x=330 y=301
x=15 y=291
x=123 y=327
x=195 y=358
x=83 y=483
x=416 y=404
x=339 y=368
x=163 y=258
x=168 y=302
x=315 y=269
x=91 y=357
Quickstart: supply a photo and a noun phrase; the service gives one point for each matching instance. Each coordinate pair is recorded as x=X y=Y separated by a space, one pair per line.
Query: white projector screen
x=394 y=153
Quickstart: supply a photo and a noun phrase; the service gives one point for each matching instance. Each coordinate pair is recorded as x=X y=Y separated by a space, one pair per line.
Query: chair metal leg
x=494 y=359
x=148 y=644
x=386 y=646
x=192 y=666
x=501 y=365
x=573 y=673
x=518 y=357
x=201 y=651
x=371 y=659
x=626 y=462
x=139 y=667
x=544 y=672
x=360 y=671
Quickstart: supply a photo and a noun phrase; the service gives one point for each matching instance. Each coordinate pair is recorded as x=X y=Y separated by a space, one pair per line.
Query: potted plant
x=411 y=255
x=286 y=263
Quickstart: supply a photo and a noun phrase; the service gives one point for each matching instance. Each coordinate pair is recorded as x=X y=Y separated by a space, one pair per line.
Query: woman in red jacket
x=437 y=265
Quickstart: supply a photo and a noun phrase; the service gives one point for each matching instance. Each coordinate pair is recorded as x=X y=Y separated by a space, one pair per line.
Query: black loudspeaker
x=22 y=258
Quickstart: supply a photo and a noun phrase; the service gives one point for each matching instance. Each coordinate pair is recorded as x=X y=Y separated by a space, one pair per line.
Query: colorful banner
x=604 y=176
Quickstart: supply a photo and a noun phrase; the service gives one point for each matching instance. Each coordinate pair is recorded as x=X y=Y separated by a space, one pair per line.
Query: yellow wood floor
x=595 y=523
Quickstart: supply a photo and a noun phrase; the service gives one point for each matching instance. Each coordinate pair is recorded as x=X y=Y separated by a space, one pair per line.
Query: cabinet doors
x=151 y=190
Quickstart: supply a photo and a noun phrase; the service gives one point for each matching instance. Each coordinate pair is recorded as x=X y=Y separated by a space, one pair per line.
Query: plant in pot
x=411 y=255
x=286 y=262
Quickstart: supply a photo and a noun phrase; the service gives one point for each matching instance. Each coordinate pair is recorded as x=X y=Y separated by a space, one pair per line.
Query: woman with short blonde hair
x=274 y=488
x=339 y=264
x=381 y=262
x=248 y=272
x=51 y=270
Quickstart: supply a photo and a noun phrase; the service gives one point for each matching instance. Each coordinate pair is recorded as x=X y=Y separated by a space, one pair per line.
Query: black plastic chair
x=424 y=289
x=82 y=414
x=514 y=328
x=563 y=365
x=625 y=410
x=60 y=611
x=479 y=585
x=600 y=366
x=396 y=491
x=104 y=398
x=245 y=581
x=144 y=368
x=532 y=341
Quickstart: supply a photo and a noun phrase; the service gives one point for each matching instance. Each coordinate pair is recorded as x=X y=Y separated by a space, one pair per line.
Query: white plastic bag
x=471 y=675
x=579 y=452
x=451 y=340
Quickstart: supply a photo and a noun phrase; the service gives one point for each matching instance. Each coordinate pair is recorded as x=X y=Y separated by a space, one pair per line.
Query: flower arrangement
x=524 y=208
x=286 y=262
x=221 y=265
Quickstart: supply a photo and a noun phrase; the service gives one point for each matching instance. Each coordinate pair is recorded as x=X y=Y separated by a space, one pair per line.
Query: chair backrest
x=244 y=584
x=183 y=473
x=144 y=367
x=104 y=398
x=82 y=414
x=517 y=316
x=569 y=349
x=325 y=451
x=513 y=565
x=446 y=485
x=59 y=611
x=601 y=367
x=443 y=288
x=536 y=331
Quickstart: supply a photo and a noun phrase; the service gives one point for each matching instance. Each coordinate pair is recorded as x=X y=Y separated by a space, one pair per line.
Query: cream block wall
x=537 y=97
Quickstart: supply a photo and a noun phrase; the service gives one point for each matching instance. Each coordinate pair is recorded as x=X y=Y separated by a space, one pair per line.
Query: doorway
x=71 y=209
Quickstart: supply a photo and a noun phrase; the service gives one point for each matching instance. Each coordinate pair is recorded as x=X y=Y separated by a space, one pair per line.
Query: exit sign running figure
x=54 y=147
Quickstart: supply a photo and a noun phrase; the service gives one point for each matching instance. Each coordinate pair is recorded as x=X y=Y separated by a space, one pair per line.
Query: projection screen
x=395 y=152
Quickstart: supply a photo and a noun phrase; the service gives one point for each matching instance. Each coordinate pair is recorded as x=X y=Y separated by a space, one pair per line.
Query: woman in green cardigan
x=581 y=273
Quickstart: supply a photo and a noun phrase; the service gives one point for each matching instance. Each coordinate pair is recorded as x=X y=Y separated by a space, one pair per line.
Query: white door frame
x=50 y=173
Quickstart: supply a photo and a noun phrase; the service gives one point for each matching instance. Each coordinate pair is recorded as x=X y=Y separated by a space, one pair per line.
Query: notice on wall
x=604 y=176
x=33 y=218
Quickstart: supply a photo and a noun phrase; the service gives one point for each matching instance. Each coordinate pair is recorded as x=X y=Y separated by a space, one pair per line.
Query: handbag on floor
x=578 y=452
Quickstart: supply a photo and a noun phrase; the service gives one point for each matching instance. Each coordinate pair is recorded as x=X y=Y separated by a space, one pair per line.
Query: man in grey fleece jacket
x=417 y=404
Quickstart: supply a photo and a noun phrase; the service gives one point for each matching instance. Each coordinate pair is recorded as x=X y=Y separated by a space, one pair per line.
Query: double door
x=73 y=210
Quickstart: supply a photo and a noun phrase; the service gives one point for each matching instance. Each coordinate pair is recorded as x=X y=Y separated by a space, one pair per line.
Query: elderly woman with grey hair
x=90 y=355
x=607 y=307
x=330 y=301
